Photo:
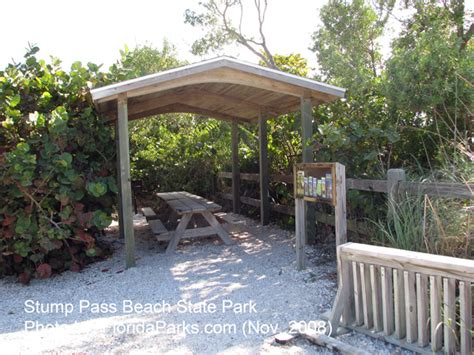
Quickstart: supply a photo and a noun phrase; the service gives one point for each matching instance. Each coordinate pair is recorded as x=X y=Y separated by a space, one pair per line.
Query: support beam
x=263 y=145
x=126 y=210
x=306 y=141
x=235 y=168
x=120 y=212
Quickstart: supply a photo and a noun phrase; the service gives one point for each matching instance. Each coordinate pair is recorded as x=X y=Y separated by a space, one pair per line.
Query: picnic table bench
x=187 y=205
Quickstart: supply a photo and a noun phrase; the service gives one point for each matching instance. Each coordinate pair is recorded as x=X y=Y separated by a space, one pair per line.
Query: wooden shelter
x=222 y=88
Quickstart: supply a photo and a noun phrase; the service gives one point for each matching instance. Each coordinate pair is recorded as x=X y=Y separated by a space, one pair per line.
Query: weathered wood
x=119 y=183
x=357 y=294
x=300 y=234
x=178 y=233
x=435 y=312
x=376 y=297
x=410 y=307
x=235 y=168
x=366 y=295
x=394 y=176
x=126 y=210
x=328 y=342
x=157 y=227
x=342 y=296
x=306 y=141
x=399 y=304
x=449 y=313
x=340 y=208
x=429 y=264
x=465 y=317
x=148 y=212
x=263 y=154
x=443 y=189
x=422 y=302
x=223 y=70
x=387 y=300
x=217 y=227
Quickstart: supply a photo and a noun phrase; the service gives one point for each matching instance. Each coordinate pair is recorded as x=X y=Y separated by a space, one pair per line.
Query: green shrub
x=57 y=184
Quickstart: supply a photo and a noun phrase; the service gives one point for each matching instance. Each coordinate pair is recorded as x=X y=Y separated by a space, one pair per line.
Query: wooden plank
x=179 y=206
x=340 y=208
x=435 y=313
x=199 y=232
x=376 y=297
x=410 y=307
x=300 y=234
x=367 y=185
x=126 y=215
x=399 y=304
x=390 y=339
x=429 y=264
x=422 y=303
x=449 y=312
x=343 y=296
x=332 y=344
x=217 y=227
x=157 y=227
x=263 y=154
x=387 y=300
x=148 y=212
x=348 y=314
x=235 y=168
x=442 y=189
x=177 y=235
x=219 y=70
x=366 y=296
x=439 y=189
x=465 y=319
x=357 y=294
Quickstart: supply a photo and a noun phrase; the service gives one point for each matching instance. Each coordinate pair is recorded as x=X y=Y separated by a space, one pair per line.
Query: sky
x=95 y=30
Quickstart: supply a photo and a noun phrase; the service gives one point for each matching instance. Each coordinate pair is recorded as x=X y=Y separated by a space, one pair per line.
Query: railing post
x=394 y=176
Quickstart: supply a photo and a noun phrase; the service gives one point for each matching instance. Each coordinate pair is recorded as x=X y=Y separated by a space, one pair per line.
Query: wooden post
x=300 y=233
x=120 y=212
x=264 y=202
x=306 y=138
x=235 y=168
x=394 y=176
x=340 y=208
x=126 y=210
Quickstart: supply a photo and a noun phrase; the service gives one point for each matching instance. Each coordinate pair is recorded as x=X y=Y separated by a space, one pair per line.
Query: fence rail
x=444 y=189
x=432 y=189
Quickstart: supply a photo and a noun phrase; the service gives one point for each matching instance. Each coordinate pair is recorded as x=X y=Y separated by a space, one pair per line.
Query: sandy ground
x=206 y=298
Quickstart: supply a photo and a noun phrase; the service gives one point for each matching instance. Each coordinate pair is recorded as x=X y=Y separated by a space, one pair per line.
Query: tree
x=221 y=30
x=430 y=76
x=355 y=131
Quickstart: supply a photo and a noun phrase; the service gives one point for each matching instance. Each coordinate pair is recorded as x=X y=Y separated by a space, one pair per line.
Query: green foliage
x=55 y=156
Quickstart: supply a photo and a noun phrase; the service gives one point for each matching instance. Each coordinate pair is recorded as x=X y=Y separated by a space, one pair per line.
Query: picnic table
x=187 y=205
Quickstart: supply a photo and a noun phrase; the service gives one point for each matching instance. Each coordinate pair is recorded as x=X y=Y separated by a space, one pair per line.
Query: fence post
x=394 y=176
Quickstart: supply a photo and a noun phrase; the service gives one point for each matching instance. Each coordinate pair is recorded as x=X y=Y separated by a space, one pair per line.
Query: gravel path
x=207 y=298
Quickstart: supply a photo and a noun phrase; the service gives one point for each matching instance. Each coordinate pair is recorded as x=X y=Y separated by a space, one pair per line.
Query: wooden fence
x=395 y=184
x=419 y=301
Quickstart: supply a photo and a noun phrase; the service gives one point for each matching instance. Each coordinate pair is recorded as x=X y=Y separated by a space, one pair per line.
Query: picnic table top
x=184 y=202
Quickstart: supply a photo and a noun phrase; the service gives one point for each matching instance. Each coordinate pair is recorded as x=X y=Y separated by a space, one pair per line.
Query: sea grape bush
x=57 y=175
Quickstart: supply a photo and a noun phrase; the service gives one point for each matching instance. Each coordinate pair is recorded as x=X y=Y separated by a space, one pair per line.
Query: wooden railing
x=433 y=189
x=407 y=298
x=444 y=189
